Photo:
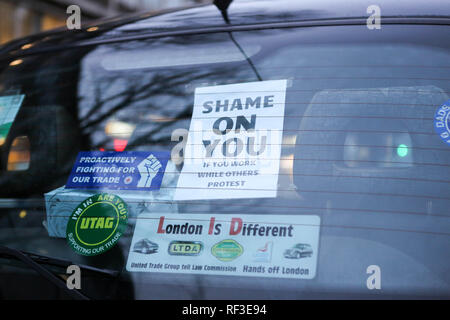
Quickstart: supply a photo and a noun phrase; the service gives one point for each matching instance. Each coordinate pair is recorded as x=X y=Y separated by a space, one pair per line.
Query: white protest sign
x=234 y=142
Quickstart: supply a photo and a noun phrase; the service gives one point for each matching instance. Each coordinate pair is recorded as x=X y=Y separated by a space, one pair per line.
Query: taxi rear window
x=291 y=158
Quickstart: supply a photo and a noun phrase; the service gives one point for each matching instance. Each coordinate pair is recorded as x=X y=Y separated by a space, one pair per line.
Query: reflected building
x=19 y=18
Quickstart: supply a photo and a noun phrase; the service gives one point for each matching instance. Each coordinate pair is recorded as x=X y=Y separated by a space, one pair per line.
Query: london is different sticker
x=277 y=246
x=97 y=224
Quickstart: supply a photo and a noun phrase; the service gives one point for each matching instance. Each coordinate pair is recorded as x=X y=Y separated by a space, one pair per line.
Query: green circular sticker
x=97 y=224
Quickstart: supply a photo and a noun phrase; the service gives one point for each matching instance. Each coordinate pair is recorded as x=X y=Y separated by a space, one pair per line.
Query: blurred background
x=20 y=18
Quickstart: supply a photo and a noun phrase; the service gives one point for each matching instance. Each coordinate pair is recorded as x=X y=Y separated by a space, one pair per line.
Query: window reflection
x=19 y=154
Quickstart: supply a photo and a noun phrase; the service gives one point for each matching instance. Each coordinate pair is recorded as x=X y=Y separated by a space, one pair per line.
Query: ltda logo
x=185 y=248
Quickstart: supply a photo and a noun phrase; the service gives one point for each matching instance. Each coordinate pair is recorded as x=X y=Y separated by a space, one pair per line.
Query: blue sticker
x=132 y=170
x=442 y=122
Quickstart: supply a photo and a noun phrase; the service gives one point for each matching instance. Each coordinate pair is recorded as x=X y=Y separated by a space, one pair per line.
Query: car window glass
x=359 y=150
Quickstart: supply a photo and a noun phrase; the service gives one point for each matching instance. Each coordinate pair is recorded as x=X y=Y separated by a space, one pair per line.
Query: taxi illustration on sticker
x=300 y=250
x=185 y=248
x=227 y=250
x=145 y=246
x=96 y=224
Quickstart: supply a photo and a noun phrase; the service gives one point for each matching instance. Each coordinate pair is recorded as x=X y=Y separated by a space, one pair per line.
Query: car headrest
x=379 y=140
